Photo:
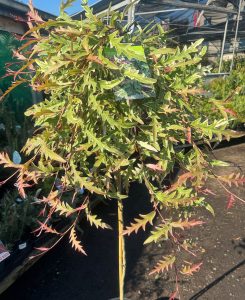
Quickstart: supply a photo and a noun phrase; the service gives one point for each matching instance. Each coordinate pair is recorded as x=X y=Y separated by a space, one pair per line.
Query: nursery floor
x=64 y=274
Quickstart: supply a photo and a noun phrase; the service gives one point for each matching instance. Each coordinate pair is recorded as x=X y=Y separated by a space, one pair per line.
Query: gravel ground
x=64 y=274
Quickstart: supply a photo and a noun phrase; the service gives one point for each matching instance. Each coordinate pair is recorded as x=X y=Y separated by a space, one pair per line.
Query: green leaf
x=147 y=146
x=94 y=220
x=52 y=155
x=66 y=4
x=134 y=75
x=108 y=85
x=209 y=208
x=162 y=231
x=63 y=208
x=219 y=163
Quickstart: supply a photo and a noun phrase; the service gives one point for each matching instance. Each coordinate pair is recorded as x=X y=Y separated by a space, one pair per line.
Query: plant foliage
x=14 y=126
x=227 y=95
x=90 y=140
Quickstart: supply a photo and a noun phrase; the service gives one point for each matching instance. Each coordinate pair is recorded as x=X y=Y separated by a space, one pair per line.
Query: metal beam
x=115 y=7
x=159 y=11
x=21 y=8
x=195 y=6
x=236 y=33
x=223 y=45
x=131 y=13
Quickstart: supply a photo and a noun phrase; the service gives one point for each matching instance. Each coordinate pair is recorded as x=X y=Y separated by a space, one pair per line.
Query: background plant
x=227 y=93
x=86 y=139
x=17 y=218
x=14 y=125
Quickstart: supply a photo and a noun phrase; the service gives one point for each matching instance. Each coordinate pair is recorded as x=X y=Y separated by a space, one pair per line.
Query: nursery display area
x=122 y=153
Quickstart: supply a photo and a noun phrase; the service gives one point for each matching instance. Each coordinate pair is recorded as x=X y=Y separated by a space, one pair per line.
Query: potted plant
x=91 y=138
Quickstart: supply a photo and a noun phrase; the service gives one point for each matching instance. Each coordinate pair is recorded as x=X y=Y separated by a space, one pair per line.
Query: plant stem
x=121 y=244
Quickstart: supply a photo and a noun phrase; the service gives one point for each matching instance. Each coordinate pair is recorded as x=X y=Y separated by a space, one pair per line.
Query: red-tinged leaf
x=231 y=201
x=28 y=65
x=9 y=64
x=181 y=180
x=19 y=55
x=94 y=58
x=167 y=69
x=23 y=181
x=186 y=224
x=18 y=36
x=6 y=161
x=45 y=228
x=75 y=243
x=140 y=223
x=164 y=265
x=173 y=296
x=27 y=44
x=231 y=112
x=82 y=207
x=233 y=178
x=188 y=135
x=21 y=191
x=33 y=15
x=42 y=249
x=154 y=167
x=12 y=87
x=41 y=213
x=207 y=191
x=190 y=270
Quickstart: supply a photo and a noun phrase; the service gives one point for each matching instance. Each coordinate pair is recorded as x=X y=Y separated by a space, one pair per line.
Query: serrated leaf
x=108 y=85
x=66 y=4
x=161 y=232
x=140 y=223
x=98 y=223
x=164 y=265
x=163 y=51
x=231 y=201
x=75 y=243
x=44 y=227
x=11 y=88
x=134 y=75
x=7 y=162
x=155 y=167
x=186 y=224
x=52 y=155
x=233 y=179
x=63 y=208
x=191 y=269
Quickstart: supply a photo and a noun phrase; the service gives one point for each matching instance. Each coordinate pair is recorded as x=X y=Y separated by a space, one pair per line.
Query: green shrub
x=227 y=92
x=14 y=126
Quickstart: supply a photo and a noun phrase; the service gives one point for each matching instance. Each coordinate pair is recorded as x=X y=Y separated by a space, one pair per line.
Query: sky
x=52 y=6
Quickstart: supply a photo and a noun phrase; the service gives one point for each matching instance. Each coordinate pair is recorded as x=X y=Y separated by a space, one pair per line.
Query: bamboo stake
x=121 y=244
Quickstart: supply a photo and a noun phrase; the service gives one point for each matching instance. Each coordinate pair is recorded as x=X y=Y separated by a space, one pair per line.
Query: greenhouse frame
x=220 y=22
